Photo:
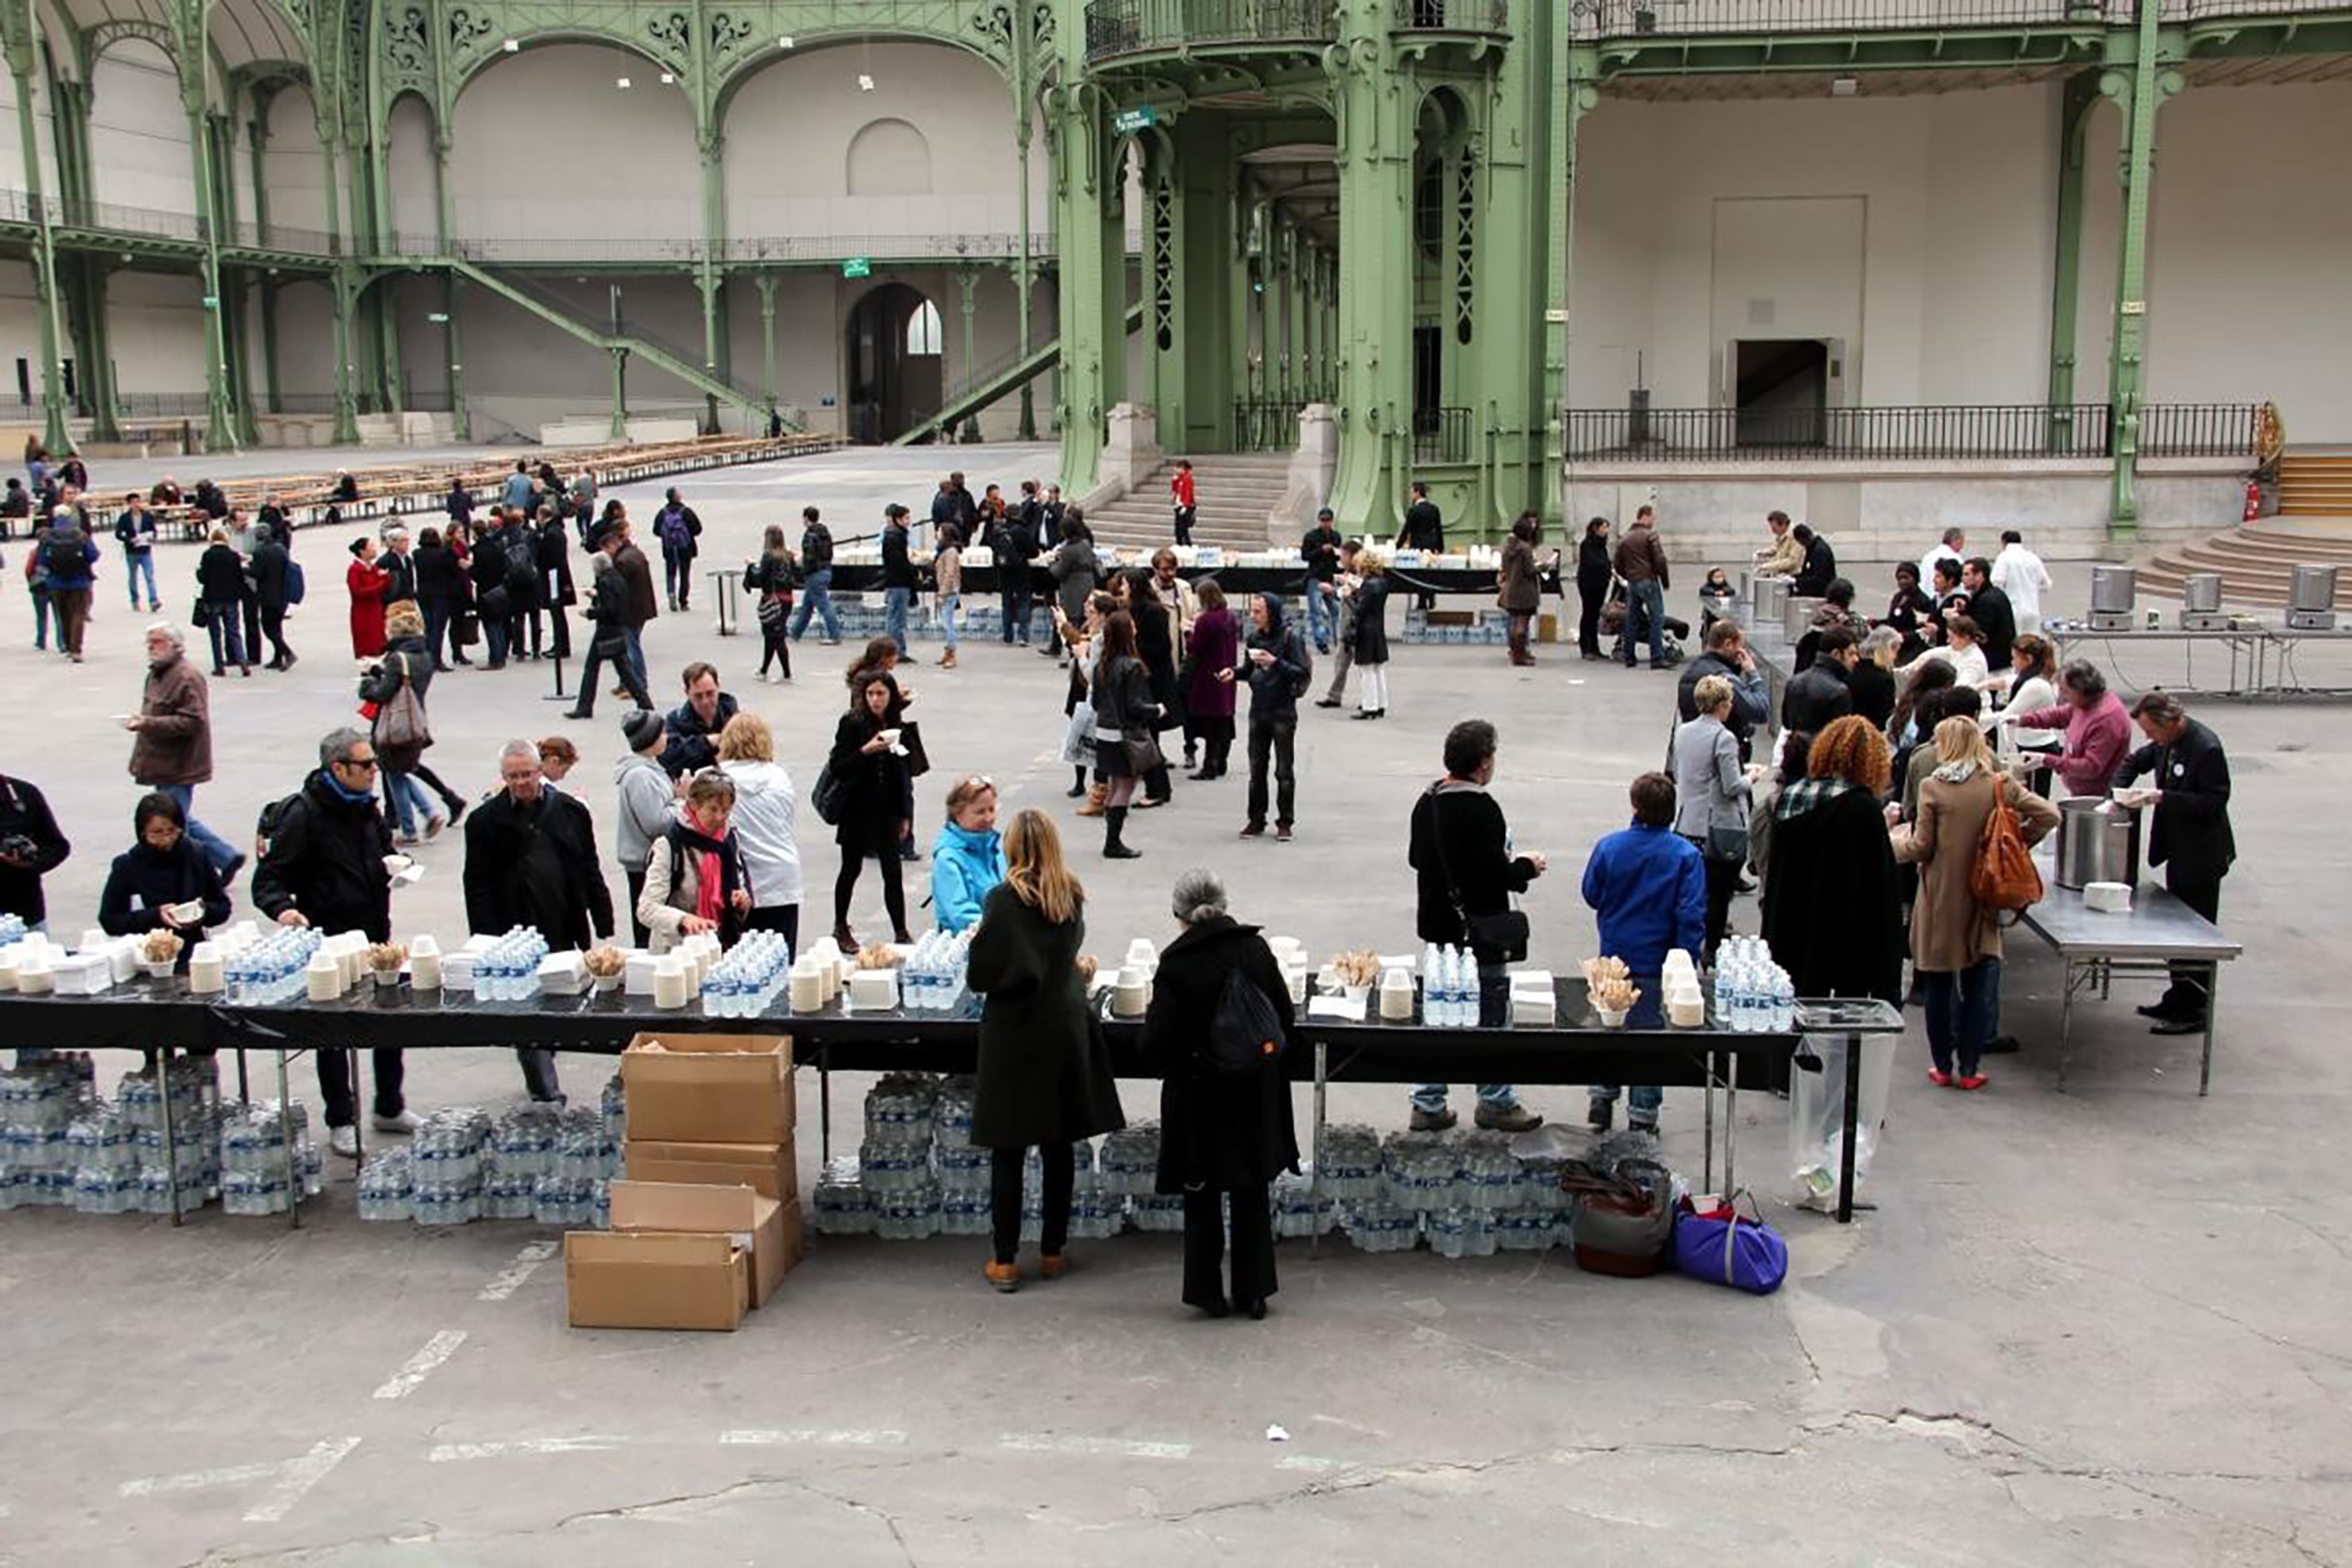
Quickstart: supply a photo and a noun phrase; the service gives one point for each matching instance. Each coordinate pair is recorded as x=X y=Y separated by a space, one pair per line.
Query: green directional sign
x=1128 y=122
x=857 y=267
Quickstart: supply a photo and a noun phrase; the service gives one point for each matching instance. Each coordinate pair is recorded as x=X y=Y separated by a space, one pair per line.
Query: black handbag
x=1505 y=933
x=1143 y=752
x=911 y=740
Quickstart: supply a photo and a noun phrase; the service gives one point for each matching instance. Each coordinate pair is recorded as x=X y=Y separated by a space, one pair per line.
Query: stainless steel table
x=2249 y=646
x=2156 y=932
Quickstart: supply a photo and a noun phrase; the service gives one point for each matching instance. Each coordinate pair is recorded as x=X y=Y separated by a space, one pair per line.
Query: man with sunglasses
x=324 y=868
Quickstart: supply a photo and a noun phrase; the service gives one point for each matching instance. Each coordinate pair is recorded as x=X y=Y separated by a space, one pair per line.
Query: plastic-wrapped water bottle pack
x=843 y=1206
x=387 y=1186
x=1157 y=1214
x=894 y=1167
x=1489 y=1174
x=1352 y=1164
x=898 y=1109
x=1460 y=1232
x=908 y=1213
x=1376 y=1224
x=951 y=1112
x=1097 y=1213
x=1130 y=1159
x=1425 y=1170
x=615 y=1108
x=1300 y=1211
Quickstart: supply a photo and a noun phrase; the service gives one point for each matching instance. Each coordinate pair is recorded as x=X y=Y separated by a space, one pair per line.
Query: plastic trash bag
x=1816 y=1104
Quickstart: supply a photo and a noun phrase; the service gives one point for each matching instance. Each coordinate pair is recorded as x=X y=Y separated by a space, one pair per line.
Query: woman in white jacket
x=1962 y=648
x=765 y=807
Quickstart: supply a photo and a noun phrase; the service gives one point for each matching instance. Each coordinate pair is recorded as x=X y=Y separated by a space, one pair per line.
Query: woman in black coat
x=1158 y=656
x=493 y=600
x=441 y=592
x=1371 y=634
x=1219 y=1136
x=223 y=586
x=555 y=589
x=1593 y=573
x=1832 y=903
x=873 y=784
x=164 y=869
x=1045 y=1074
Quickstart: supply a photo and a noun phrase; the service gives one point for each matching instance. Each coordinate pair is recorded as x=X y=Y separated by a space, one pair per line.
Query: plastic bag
x=1816 y=1105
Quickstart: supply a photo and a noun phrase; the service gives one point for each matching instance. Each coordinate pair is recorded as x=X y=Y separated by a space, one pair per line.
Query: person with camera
x=1465 y=875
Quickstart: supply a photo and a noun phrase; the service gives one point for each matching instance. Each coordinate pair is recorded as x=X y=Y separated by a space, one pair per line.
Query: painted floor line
x=419 y=1367
x=511 y=1279
x=449 y=1453
x=197 y=1480
x=1116 y=1448
x=299 y=1476
x=847 y=1438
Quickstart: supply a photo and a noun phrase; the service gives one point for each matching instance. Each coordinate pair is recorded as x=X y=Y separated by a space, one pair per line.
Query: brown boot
x=948 y=659
x=1096 y=798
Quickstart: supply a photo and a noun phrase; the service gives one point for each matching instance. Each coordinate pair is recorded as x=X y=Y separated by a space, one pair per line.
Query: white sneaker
x=406 y=1122
x=344 y=1140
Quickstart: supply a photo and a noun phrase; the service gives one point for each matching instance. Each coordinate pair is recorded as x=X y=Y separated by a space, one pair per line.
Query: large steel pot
x=2099 y=841
x=1768 y=599
x=2201 y=594
x=2313 y=588
x=2112 y=590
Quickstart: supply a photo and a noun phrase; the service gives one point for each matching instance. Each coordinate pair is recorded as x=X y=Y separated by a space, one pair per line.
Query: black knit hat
x=641 y=729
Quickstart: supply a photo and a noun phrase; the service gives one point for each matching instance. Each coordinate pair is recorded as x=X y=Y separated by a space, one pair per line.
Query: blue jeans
x=136 y=562
x=1494 y=1011
x=894 y=615
x=211 y=844
x=1645 y=610
x=1963 y=1010
x=1322 y=614
x=816 y=596
x=41 y=620
x=227 y=628
x=407 y=798
x=1641 y=1101
x=638 y=657
x=951 y=606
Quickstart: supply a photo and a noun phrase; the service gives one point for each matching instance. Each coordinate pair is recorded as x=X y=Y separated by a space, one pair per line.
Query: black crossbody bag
x=1505 y=933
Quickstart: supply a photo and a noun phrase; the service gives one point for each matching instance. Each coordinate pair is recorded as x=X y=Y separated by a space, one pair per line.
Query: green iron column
x=82 y=278
x=714 y=242
x=1165 y=340
x=2137 y=86
x=256 y=143
x=1194 y=335
x=56 y=434
x=2066 y=269
x=453 y=287
x=1573 y=75
x=620 y=393
x=1376 y=99
x=766 y=283
x=1293 y=314
x=220 y=432
x=1084 y=188
x=966 y=291
x=340 y=281
x=1024 y=70
x=1238 y=379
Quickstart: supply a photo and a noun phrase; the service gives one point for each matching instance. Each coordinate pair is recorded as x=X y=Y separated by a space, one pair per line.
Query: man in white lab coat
x=2020 y=574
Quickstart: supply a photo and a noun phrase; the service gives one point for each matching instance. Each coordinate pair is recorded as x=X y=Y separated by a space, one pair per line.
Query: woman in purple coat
x=1215 y=645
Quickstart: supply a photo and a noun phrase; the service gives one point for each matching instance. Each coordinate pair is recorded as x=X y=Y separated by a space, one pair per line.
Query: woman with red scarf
x=696 y=880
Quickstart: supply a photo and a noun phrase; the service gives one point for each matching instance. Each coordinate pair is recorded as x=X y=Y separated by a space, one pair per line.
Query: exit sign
x=857 y=267
x=1127 y=121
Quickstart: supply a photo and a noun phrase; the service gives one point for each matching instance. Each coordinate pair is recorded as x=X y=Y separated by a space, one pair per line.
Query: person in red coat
x=1215 y=645
x=368 y=582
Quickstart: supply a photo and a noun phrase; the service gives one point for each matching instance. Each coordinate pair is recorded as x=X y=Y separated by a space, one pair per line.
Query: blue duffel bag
x=1739 y=1250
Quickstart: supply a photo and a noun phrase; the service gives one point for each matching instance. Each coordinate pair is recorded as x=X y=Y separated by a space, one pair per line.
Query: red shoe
x=1939 y=1078
x=1974 y=1080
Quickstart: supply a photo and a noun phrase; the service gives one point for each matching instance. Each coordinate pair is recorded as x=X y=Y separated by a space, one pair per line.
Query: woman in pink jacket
x=2098 y=730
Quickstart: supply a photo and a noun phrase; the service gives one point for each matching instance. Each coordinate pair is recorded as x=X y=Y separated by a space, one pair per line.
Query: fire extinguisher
x=2253 y=500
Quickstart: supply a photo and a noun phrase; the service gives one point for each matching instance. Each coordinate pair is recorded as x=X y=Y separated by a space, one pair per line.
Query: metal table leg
x=824 y=1110
x=1315 y=1177
x=171 y=1143
x=1731 y=1126
x=1707 y=1181
x=244 y=1085
x=2212 y=1003
x=2066 y=1021
x=1851 y=1118
x=285 y=1129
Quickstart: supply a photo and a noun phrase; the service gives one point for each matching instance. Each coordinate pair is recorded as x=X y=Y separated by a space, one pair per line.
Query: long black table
x=161 y=1015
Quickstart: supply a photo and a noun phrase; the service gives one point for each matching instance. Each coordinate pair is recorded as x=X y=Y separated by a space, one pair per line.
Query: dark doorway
x=1780 y=390
x=894 y=363
x=1428 y=375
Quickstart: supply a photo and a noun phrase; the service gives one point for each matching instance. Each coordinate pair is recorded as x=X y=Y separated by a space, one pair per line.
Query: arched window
x=923 y=330
x=889 y=158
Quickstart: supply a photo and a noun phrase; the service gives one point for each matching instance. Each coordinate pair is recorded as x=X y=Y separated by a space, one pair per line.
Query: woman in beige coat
x=1955 y=942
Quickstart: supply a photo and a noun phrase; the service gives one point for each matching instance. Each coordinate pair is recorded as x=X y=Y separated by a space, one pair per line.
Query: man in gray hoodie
x=648 y=805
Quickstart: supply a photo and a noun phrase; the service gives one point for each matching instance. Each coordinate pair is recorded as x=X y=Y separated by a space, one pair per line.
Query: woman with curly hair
x=1832 y=903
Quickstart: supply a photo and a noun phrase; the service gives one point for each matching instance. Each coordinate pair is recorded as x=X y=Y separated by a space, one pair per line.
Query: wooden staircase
x=1237 y=495
x=2315 y=484
x=2256 y=562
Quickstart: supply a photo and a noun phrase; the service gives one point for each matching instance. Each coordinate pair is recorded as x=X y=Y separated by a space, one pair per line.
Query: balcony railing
x=1131 y=26
x=1985 y=431
x=1440 y=435
x=281 y=236
x=1261 y=427
x=116 y=219
x=1490 y=18
x=1701 y=18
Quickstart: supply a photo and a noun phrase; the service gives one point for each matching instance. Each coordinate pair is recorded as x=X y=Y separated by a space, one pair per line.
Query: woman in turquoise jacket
x=969 y=857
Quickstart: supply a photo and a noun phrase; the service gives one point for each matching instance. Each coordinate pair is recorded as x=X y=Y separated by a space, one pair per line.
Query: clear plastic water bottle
x=1784 y=1001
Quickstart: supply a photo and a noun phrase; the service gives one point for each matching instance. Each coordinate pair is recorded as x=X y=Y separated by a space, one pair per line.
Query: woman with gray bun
x=1218 y=1030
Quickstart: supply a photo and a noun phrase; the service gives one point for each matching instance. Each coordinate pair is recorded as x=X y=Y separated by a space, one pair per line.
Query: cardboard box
x=768 y=1169
x=613 y=1280
x=771 y=1230
x=710 y=1089
x=1546 y=627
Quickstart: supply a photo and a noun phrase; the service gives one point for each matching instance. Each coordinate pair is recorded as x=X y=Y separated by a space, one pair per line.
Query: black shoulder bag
x=1506 y=933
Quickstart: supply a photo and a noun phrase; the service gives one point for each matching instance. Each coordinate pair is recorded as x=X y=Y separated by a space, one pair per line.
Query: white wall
x=12 y=142
x=546 y=145
x=790 y=130
x=408 y=154
x=293 y=164
x=138 y=131
x=157 y=322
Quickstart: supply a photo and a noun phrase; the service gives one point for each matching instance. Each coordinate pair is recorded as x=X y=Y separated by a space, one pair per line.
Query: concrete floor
x=2098 y=1327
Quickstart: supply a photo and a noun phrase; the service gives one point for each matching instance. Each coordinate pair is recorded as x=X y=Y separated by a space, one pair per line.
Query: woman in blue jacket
x=969 y=857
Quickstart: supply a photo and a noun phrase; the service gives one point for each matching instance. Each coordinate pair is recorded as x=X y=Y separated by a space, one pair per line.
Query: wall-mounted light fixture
x=667 y=79
x=622 y=82
x=785 y=42
x=865 y=82
x=1844 y=86
x=510 y=46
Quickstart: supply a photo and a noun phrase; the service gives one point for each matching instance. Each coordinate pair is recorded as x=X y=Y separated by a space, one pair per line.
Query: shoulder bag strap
x=1444 y=866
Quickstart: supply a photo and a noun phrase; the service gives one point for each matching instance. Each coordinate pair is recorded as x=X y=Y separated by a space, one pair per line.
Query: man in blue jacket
x=1647 y=885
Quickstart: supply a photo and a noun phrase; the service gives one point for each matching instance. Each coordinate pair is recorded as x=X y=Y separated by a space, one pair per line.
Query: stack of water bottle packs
x=918 y=1174
x=1489 y=628
x=550 y=1164
x=38 y=1101
x=255 y=1137
x=1466 y=1192
x=983 y=620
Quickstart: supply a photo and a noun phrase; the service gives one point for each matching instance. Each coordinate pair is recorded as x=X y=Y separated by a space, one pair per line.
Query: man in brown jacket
x=172 y=751
x=638 y=574
x=1642 y=562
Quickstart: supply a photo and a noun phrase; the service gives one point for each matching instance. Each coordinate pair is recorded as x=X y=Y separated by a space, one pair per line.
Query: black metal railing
x=115 y=218
x=1952 y=431
x=1685 y=19
x=1488 y=16
x=2196 y=429
x=2210 y=10
x=1440 y=435
x=1130 y=27
x=253 y=235
x=1261 y=427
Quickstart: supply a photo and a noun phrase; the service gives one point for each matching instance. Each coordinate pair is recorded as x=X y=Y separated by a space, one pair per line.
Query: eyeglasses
x=364 y=765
